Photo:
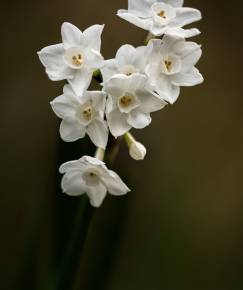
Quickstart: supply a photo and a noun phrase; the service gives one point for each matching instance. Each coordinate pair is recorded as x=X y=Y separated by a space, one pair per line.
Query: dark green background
x=181 y=227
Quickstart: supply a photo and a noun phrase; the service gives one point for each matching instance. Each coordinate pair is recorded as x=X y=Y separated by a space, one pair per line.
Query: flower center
x=168 y=65
x=77 y=59
x=87 y=113
x=92 y=174
x=125 y=101
x=128 y=70
x=91 y=177
x=162 y=14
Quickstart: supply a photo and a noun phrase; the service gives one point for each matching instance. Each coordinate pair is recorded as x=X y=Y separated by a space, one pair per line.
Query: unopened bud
x=137 y=151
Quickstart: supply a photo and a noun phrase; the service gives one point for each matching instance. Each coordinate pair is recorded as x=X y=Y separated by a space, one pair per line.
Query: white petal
x=70 y=35
x=125 y=55
x=186 y=16
x=159 y=48
x=98 y=133
x=71 y=165
x=158 y=30
x=71 y=131
x=114 y=184
x=92 y=160
x=52 y=55
x=117 y=123
x=136 y=82
x=52 y=58
x=116 y=86
x=180 y=46
x=138 y=119
x=92 y=37
x=111 y=105
x=141 y=57
x=183 y=33
x=120 y=84
x=64 y=106
x=81 y=81
x=142 y=23
x=94 y=59
x=174 y=3
x=73 y=184
x=96 y=194
x=162 y=85
x=190 y=78
x=191 y=59
x=98 y=101
x=109 y=69
x=141 y=8
x=150 y=102
x=67 y=90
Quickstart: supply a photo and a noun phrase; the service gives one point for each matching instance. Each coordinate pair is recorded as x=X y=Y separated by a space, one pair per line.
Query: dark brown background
x=181 y=227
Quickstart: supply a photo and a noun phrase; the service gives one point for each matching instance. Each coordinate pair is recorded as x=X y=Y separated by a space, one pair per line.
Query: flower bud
x=137 y=151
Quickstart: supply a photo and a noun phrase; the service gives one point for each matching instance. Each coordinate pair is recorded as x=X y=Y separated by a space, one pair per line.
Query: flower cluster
x=137 y=82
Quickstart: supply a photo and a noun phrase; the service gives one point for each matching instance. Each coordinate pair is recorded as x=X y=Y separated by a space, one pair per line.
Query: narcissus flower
x=82 y=114
x=161 y=16
x=172 y=64
x=128 y=60
x=129 y=103
x=91 y=176
x=76 y=58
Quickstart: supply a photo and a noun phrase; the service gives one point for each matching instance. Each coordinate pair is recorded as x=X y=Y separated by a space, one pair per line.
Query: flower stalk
x=100 y=154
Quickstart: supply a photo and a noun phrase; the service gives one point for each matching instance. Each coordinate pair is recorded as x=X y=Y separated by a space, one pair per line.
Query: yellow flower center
x=125 y=101
x=77 y=59
x=87 y=113
x=162 y=14
x=168 y=65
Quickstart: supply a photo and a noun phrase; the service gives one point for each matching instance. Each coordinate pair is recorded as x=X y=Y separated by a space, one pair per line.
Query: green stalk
x=65 y=277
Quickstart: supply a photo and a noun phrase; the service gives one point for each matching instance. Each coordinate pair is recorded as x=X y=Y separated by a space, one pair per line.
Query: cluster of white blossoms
x=137 y=82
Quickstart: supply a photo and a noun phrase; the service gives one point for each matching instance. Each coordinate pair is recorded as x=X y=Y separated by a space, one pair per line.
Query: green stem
x=65 y=277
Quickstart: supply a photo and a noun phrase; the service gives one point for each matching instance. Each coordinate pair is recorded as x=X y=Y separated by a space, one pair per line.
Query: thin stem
x=148 y=38
x=129 y=139
x=100 y=154
x=65 y=277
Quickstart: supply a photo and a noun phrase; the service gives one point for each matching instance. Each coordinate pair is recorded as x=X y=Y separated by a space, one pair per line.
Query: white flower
x=128 y=60
x=76 y=58
x=161 y=16
x=129 y=103
x=82 y=114
x=90 y=175
x=172 y=64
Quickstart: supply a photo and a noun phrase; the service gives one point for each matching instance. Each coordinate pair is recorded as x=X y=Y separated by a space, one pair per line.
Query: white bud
x=137 y=151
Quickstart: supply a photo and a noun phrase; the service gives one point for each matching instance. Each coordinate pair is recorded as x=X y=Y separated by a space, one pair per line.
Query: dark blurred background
x=181 y=227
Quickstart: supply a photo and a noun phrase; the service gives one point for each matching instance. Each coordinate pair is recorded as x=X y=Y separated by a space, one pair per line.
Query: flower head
x=82 y=114
x=129 y=103
x=90 y=175
x=172 y=64
x=161 y=16
x=76 y=57
x=128 y=60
